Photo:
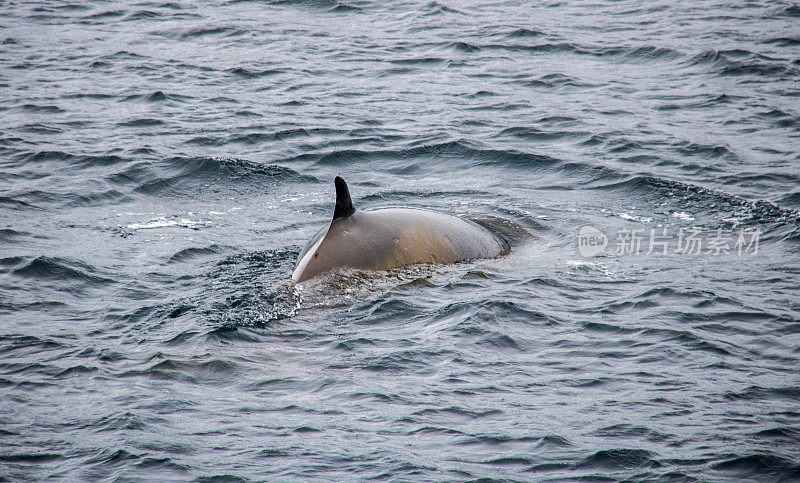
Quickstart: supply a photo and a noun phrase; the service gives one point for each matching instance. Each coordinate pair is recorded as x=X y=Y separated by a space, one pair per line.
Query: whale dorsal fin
x=344 y=205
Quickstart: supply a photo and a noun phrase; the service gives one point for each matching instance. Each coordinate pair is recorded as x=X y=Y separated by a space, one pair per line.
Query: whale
x=386 y=238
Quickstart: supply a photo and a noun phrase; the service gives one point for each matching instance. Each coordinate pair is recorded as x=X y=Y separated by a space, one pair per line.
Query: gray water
x=162 y=164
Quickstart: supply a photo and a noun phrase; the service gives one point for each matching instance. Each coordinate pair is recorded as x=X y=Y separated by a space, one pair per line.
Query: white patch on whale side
x=306 y=259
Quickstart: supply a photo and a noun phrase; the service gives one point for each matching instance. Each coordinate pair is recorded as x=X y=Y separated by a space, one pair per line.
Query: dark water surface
x=163 y=163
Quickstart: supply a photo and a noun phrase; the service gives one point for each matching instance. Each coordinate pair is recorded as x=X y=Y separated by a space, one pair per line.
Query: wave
x=142 y=122
x=546 y=47
x=106 y=14
x=156 y=96
x=551 y=81
x=144 y=15
x=739 y=62
x=620 y=459
x=524 y=33
x=727 y=209
x=328 y=5
x=465 y=151
x=255 y=74
x=791 y=10
x=760 y=466
x=699 y=102
x=463 y=47
x=192 y=253
x=787 y=434
x=436 y=8
x=758 y=393
x=31 y=458
x=643 y=53
x=196 y=32
x=420 y=61
x=30 y=344
x=9 y=235
x=255 y=138
x=534 y=134
x=345 y=8
x=646 y=52
x=50 y=268
x=178 y=171
x=626 y=430
x=48 y=109
x=784 y=41
x=72 y=160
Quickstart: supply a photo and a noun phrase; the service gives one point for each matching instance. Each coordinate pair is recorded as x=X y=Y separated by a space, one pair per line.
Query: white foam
x=162 y=223
x=641 y=219
x=682 y=216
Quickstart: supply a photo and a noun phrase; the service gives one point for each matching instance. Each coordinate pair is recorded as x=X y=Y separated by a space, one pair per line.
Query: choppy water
x=163 y=163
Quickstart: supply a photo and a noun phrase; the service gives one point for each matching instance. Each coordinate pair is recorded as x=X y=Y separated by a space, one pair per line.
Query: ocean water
x=163 y=163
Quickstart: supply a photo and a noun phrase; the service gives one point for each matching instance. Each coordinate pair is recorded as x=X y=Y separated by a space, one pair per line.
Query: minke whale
x=386 y=238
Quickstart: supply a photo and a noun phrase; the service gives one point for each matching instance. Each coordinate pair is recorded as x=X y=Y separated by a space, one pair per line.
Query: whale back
x=387 y=238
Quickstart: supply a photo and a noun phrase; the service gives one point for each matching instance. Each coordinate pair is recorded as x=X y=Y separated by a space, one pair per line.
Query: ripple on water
x=47 y=268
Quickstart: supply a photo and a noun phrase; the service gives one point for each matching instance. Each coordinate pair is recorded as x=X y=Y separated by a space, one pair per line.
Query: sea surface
x=163 y=163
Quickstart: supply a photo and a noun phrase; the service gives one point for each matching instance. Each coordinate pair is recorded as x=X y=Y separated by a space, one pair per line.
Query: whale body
x=387 y=238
